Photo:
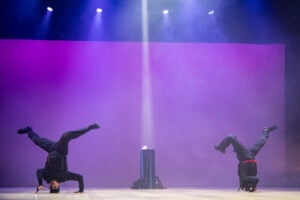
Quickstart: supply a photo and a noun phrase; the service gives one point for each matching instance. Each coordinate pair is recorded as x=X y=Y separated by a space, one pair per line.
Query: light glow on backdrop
x=200 y=93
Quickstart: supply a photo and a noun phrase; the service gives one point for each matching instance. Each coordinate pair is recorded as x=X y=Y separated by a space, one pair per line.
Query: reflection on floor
x=164 y=194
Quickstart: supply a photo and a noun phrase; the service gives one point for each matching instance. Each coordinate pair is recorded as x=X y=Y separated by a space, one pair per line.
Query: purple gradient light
x=200 y=93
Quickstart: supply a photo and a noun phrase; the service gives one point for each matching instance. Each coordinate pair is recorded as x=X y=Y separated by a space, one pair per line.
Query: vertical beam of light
x=147 y=120
x=43 y=29
x=96 y=31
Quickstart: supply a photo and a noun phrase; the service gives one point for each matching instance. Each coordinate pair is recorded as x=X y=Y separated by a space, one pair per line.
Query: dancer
x=247 y=168
x=56 y=169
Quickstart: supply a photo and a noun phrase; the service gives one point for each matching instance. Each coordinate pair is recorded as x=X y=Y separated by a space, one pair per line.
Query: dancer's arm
x=76 y=177
x=39 y=175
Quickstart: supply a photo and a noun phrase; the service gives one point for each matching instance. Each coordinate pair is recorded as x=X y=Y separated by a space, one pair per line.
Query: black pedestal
x=148 y=178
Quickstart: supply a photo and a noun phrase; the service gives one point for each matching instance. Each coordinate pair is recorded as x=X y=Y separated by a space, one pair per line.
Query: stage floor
x=170 y=194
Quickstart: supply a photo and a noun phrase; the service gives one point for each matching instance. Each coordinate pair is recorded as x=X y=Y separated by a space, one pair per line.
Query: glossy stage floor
x=164 y=194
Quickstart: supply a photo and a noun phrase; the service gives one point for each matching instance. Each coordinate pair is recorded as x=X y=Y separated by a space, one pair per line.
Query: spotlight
x=148 y=178
x=211 y=12
x=50 y=9
x=99 y=10
x=165 y=12
x=144 y=147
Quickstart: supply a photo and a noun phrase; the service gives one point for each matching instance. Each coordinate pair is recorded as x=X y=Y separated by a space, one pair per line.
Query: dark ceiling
x=250 y=21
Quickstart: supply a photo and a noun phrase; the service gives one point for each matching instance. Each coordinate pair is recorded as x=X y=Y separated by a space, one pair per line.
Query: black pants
x=61 y=145
x=241 y=151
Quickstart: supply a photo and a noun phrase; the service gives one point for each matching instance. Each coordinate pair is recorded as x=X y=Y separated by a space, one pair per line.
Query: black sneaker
x=219 y=149
x=24 y=130
x=269 y=129
x=94 y=126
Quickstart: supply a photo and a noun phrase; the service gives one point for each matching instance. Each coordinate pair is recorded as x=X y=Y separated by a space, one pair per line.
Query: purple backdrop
x=201 y=93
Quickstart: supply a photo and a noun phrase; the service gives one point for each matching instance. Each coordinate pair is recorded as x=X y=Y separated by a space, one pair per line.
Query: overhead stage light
x=99 y=10
x=50 y=9
x=165 y=12
x=211 y=12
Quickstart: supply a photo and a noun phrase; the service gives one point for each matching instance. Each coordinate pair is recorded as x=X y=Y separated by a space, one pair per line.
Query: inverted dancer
x=56 y=168
x=247 y=168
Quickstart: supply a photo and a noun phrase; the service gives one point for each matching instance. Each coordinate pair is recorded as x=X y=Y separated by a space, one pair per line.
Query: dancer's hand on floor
x=38 y=188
